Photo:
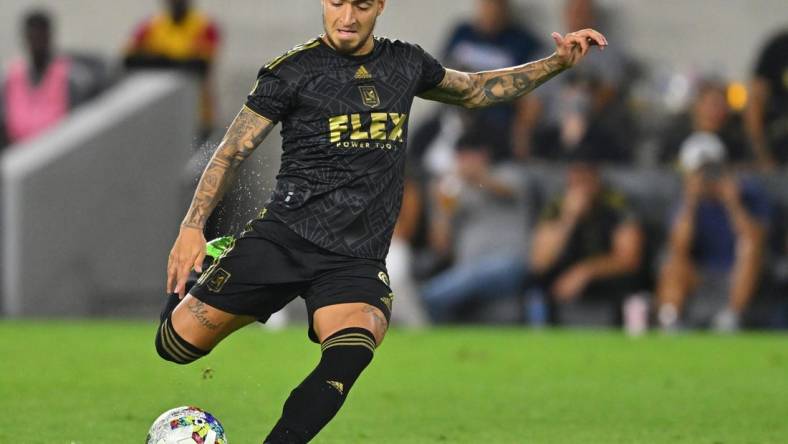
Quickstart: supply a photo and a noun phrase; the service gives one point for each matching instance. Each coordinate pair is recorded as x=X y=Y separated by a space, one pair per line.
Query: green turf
x=101 y=382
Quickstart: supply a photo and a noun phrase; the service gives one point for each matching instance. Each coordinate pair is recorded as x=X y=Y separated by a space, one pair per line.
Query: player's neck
x=365 y=49
x=178 y=15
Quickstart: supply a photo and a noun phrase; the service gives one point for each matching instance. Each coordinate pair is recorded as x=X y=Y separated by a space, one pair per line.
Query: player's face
x=177 y=7
x=579 y=14
x=349 y=24
x=38 y=40
x=711 y=110
x=492 y=15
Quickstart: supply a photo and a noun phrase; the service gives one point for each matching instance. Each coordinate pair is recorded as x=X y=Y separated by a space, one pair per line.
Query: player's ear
x=381 y=6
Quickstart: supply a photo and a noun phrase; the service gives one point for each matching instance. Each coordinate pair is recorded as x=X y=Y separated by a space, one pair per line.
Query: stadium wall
x=90 y=209
x=681 y=35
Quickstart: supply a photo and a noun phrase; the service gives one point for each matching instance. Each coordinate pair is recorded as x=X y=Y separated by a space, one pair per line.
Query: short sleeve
x=511 y=176
x=455 y=38
x=460 y=34
x=757 y=202
x=210 y=41
x=432 y=72
x=552 y=211
x=770 y=61
x=139 y=37
x=619 y=206
x=527 y=46
x=271 y=97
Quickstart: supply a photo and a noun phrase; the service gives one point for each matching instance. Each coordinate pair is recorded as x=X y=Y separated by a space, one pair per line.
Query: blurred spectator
x=588 y=247
x=431 y=146
x=492 y=40
x=582 y=109
x=710 y=113
x=716 y=243
x=40 y=89
x=481 y=219
x=767 y=113
x=179 y=38
x=399 y=260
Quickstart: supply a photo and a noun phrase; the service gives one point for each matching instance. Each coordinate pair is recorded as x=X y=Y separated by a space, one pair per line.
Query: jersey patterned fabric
x=344 y=129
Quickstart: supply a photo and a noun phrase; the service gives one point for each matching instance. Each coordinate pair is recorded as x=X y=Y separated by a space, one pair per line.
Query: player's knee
x=379 y=330
x=376 y=323
x=172 y=347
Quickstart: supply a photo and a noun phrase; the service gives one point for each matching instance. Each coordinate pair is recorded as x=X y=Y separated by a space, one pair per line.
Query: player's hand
x=571 y=284
x=572 y=47
x=576 y=203
x=472 y=167
x=694 y=184
x=728 y=190
x=187 y=253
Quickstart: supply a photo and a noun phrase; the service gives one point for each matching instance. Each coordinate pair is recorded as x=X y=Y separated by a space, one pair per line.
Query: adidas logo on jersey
x=363 y=74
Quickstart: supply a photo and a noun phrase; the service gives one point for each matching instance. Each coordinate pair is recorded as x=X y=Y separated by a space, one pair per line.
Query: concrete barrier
x=90 y=209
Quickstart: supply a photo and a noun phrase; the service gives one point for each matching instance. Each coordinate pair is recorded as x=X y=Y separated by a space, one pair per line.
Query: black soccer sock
x=319 y=397
x=172 y=347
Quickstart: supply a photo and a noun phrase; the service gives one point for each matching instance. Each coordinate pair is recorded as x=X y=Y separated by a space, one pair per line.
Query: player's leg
x=235 y=290
x=677 y=279
x=489 y=277
x=330 y=320
x=349 y=334
x=190 y=329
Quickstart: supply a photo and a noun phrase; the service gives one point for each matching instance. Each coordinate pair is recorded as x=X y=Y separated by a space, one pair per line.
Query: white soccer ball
x=186 y=425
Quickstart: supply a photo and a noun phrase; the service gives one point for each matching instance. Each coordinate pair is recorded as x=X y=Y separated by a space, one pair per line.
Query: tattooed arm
x=244 y=135
x=482 y=89
x=487 y=88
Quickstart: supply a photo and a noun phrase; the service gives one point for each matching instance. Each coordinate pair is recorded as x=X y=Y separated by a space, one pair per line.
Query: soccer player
x=343 y=100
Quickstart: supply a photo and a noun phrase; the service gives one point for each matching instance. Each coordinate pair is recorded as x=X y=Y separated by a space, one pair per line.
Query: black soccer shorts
x=269 y=265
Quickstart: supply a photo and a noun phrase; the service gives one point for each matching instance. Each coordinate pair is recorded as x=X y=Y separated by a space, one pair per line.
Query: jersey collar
x=356 y=58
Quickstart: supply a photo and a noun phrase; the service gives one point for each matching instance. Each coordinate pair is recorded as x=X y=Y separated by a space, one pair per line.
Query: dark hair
x=38 y=18
x=710 y=84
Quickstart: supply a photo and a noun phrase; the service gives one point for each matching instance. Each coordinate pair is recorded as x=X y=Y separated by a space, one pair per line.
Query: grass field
x=101 y=382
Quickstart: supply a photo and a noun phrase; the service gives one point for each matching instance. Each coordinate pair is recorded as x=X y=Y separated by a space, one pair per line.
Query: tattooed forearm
x=197 y=309
x=476 y=90
x=244 y=135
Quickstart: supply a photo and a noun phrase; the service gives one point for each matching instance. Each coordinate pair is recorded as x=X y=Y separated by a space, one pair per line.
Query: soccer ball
x=186 y=425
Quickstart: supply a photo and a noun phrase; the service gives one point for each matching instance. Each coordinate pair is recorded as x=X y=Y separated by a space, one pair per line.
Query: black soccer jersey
x=344 y=129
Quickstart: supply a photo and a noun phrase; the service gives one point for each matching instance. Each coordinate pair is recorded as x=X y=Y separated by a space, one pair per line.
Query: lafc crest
x=217 y=279
x=369 y=95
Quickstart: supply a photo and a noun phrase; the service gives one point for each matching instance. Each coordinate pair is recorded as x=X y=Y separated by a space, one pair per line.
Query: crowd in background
x=532 y=212
x=497 y=226
x=39 y=89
